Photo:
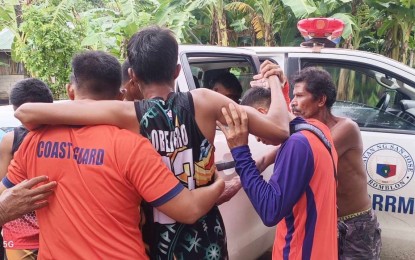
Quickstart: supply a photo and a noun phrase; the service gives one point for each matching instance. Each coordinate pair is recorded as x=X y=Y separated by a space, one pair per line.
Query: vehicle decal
x=388 y=166
x=393 y=204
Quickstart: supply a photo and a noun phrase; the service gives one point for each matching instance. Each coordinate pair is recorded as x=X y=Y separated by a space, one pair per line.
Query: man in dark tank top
x=21 y=236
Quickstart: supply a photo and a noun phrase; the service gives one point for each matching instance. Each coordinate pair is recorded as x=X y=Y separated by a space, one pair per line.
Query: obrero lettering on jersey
x=66 y=150
x=168 y=141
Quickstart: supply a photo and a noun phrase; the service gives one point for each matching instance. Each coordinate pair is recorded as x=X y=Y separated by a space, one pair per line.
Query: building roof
x=6 y=40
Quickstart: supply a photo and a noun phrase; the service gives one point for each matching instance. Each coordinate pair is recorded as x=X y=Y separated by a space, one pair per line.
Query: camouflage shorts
x=362 y=240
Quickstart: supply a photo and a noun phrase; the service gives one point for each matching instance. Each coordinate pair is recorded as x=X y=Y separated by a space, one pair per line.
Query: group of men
x=100 y=173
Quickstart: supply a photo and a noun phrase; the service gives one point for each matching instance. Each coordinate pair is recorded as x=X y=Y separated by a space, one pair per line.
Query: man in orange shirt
x=103 y=173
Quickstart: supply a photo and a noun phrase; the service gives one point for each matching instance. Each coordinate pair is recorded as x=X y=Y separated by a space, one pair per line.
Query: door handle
x=220 y=166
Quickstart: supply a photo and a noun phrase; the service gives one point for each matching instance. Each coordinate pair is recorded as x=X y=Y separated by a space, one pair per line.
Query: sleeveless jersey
x=22 y=233
x=171 y=127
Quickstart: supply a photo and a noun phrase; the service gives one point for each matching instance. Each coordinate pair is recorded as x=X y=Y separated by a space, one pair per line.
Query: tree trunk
x=19 y=20
x=19 y=14
x=350 y=85
x=348 y=43
x=223 y=39
x=406 y=34
x=395 y=43
x=214 y=31
x=404 y=53
x=342 y=85
x=269 y=39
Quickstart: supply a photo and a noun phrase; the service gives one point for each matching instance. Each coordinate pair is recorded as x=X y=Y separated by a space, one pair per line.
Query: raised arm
x=272 y=200
x=272 y=126
x=79 y=112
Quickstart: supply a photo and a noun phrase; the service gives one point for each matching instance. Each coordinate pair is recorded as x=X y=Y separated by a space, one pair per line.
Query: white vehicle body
x=388 y=137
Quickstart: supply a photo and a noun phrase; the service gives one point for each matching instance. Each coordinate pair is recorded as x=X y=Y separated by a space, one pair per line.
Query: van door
x=248 y=237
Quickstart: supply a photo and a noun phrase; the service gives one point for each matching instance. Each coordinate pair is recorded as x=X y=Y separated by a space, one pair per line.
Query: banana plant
x=214 y=11
x=109 y=27
x=9 y=20
x=261 y=15
x=397 y=26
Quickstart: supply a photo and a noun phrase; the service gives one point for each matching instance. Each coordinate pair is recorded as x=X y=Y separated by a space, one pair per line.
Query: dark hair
x=153 y=54
x=30 y=90
x=230 y=82
x=255 y=97
x=318 y=82
x=98 y=73
x=124 y=71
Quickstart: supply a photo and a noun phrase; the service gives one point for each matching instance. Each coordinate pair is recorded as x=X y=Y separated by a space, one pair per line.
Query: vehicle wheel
x=383 y=102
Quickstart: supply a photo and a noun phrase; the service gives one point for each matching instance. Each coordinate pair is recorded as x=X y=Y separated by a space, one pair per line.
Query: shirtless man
x=314 y=95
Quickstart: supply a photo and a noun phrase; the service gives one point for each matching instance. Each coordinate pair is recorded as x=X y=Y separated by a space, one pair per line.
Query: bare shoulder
x=205 y=97
x=7 y=142
x=200 y=98
x=344 y=127
x=346 y=134
x=6 y=154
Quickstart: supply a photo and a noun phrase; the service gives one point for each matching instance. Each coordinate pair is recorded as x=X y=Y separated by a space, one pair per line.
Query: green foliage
x=108 y=27
x=7 y=16
x=52 y=38
x=301 y=8
x=397 y=26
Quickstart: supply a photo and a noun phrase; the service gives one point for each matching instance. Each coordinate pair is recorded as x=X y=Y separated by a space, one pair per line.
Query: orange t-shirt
x=103 y=173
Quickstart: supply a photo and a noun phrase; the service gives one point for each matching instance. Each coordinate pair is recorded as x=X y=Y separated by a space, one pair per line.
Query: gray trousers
x=362 y=239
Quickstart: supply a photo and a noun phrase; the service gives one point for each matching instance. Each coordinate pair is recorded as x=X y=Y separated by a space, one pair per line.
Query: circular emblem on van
x=388 y=166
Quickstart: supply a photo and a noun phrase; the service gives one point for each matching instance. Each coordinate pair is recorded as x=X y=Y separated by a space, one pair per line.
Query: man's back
x=309 y=231
x=352 y=193
x=172 y=129
x=102 y=174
